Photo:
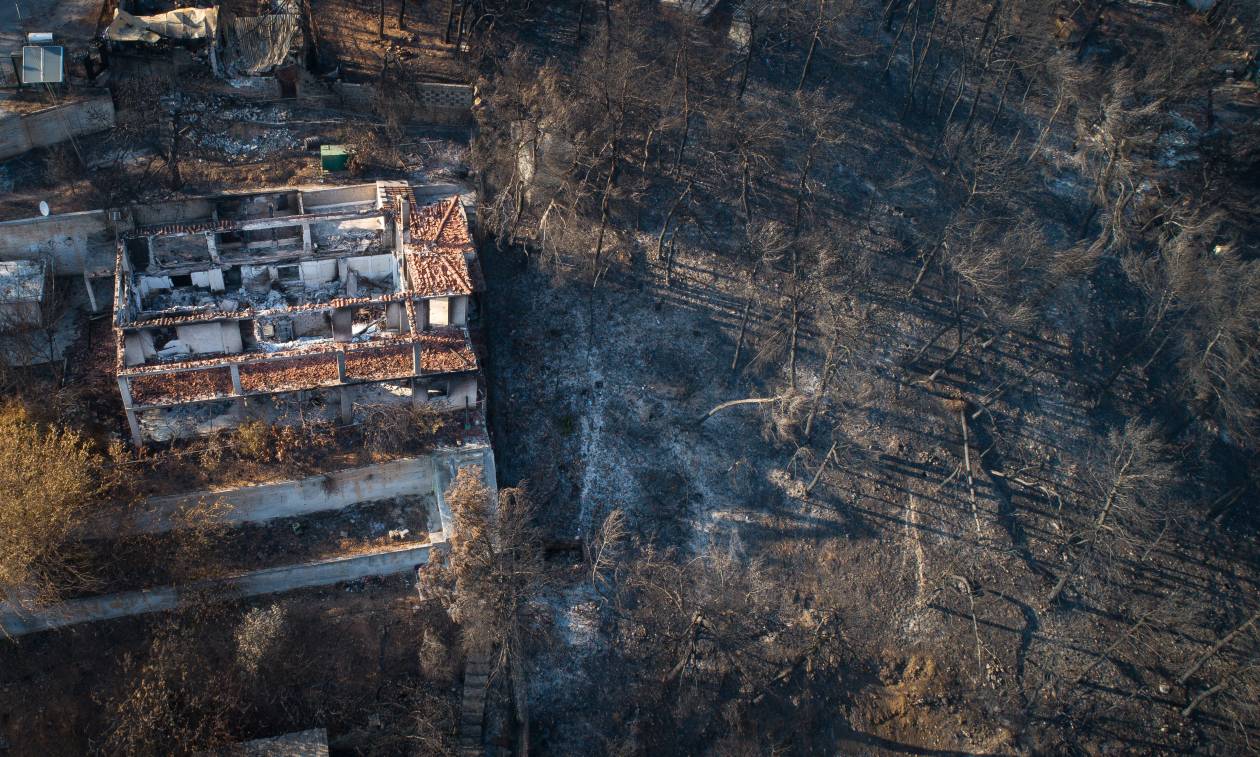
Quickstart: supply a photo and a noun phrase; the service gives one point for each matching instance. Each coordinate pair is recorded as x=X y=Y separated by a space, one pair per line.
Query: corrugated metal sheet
x=257 y=44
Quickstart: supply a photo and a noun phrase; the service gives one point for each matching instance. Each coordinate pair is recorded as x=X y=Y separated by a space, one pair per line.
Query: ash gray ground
x=596 y=397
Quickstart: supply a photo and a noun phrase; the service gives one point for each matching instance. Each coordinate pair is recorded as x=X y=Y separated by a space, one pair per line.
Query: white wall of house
x=211 y=337
x=211 y=279
x=372 y=266
x=152 y=284
x=439 y=311
x=318 y=272
x=138 y=347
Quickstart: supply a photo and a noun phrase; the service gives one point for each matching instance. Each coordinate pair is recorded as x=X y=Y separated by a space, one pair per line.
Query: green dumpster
x=334 y=157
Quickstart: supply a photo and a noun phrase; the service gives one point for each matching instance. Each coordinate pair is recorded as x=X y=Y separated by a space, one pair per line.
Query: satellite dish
x=43 y=208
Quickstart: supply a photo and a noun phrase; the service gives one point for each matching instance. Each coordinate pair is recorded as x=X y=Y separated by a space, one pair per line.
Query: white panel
x=201 y=337
x=152 y=283
x=231 y=337
x=372 y=266
x=459 y=310
x=439 y=311
x=138 y=348
x=317 y=272
x=42 y=65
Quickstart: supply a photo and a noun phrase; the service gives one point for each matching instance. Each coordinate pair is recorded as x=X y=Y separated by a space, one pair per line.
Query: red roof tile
x=392 y=362
x=442 y=226
x=172 y=388
x=291 y=374
x=438 y=274
x=446 y=351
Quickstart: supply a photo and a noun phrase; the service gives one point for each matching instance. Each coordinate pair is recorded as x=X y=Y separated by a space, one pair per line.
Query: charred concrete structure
x=316 y=300
x=24 y=291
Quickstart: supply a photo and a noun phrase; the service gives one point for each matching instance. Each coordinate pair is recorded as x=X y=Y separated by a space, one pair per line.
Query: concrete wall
x=317 y=272
x=428 y=102
x=17 y=622
x=215 y=337
x=74 y=241
x=462 y=393
x=360 y=97
x=439 y=311
x=371 y=266
x=22 y=132
x=430 y=474
x=409 y=477
x=176 y=211
x=443 y=103
x=314 y=199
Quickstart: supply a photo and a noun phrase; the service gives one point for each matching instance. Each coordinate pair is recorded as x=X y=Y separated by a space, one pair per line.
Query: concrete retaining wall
x=272 y=580
x=26 y=131
x=409 y=477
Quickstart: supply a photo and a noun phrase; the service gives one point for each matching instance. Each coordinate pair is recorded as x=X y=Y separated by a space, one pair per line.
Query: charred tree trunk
x=450 y=22
x=1225 y=641
x=748 y=58
x=813 y=47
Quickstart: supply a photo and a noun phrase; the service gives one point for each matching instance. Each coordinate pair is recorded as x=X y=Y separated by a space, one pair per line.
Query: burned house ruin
x=329 y=298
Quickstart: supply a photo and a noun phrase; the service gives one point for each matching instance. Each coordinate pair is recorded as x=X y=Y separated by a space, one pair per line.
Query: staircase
x=473 y=707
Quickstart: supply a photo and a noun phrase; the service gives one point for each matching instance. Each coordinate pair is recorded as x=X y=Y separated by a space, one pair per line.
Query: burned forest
x=678 y=377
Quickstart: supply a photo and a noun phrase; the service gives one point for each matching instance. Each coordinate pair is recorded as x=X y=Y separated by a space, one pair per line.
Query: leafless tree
x=1128 y=490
